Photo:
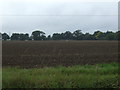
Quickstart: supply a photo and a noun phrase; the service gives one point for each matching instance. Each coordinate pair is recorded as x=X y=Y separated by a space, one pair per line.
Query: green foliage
x=86 y=76
x=76 y=35
x=110 y=35
x=5 y=36
x=24 y=36
x=38 y=35
x=15 y=36
x=21 y=36
x=56 y=36
x=117 y=35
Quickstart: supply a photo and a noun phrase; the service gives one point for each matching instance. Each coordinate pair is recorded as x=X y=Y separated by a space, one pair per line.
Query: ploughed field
x=32 y=54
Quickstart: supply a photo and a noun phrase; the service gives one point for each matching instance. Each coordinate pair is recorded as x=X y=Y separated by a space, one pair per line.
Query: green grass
x=85 y=76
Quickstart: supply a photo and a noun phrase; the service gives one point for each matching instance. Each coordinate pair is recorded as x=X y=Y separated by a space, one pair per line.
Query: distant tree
x=56 y=36
x=24 y=36
x=5 y=36
x=15 y=36
x=95 y=34
x=0 y=36
x=99 y=35
x=117 y=35
x=67 y=35
x=38 y=35
x=21 y=36
x=88 y=36
x=110 y=35
x=30 y=38
x=43 y=37
x=61 y=36
x=78 y=35
x=49 y=37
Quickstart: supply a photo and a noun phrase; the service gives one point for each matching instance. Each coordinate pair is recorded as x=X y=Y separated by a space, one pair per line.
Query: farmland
x=29 y=54
x=60 y=64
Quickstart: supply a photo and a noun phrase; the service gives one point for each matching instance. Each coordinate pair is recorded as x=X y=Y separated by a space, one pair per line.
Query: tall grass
x=86 y=76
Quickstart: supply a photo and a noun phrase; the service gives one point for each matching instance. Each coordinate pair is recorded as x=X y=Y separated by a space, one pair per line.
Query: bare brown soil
x=30 y=54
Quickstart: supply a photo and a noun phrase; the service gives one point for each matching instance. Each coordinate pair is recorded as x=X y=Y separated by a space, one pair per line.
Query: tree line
x=76 y=35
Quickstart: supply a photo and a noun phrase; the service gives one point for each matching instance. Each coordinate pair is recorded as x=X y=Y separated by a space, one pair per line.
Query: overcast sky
x=51 y=17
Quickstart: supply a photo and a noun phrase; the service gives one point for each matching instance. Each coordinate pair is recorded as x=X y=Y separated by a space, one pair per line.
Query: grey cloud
x=64 y=8
x=59 y=17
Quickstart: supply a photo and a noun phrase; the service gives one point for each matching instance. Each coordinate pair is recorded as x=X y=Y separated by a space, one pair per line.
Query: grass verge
x=85 y=76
